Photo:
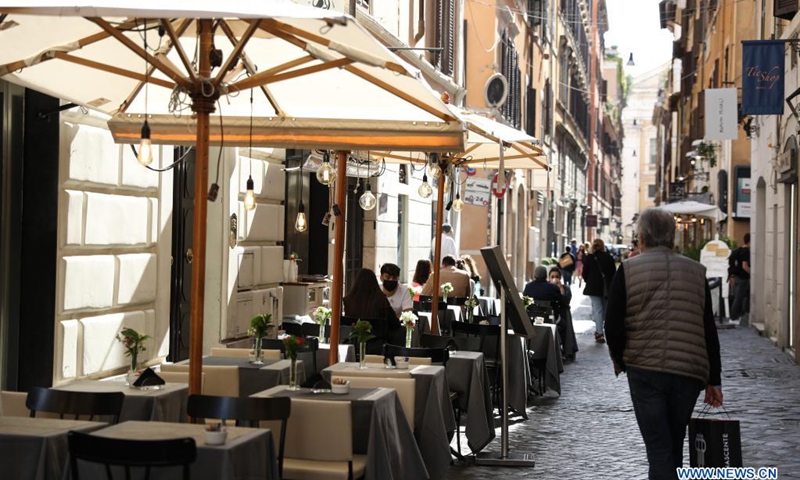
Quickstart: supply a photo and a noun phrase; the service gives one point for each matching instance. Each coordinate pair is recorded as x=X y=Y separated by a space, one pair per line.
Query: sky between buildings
x=634 y=26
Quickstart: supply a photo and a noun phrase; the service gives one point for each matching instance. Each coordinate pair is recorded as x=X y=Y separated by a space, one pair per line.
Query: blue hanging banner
x=763 y=77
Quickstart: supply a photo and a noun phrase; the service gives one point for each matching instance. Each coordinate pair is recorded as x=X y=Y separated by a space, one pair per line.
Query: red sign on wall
x=591 y=220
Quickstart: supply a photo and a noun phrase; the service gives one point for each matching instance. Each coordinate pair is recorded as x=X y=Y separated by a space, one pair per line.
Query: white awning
x=698 y=209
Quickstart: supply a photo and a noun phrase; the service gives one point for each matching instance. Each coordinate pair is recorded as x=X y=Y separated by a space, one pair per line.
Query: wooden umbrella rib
x=115 y=70
x=163 y=68
x=399 y=93
x=175 y=39
x=261 y=79
x=237 y=50
x=289 y=29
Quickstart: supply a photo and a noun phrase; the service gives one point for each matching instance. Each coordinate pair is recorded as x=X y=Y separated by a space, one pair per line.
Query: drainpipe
x=420 y=22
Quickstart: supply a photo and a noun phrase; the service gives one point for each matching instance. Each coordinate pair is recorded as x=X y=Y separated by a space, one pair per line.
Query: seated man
x=542 y=290
x=396 y=292
x=459 y=279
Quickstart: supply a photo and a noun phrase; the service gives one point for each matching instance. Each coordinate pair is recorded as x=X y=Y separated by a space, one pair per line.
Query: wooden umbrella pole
x=203 y=106
x=338 y=255
x=437 y=253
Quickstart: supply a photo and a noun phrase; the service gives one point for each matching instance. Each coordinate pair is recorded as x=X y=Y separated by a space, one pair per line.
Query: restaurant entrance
x=181 y=278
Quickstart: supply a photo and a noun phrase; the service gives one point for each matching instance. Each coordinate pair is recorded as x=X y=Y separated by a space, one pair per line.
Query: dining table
x=37 y=448
x=434 y=419
x=166 y=403
x=247 y=453
x=257 y=377
x=347 y=353
x=380 y=430
x=467 y=376
x=544 y=347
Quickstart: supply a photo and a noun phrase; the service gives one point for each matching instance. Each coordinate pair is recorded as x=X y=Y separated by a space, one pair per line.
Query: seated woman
x=366 y=300
x=421 y=275
x=569 y=342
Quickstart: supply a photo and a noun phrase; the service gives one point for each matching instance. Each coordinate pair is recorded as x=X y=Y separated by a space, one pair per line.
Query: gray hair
x=657 y=228
x=540 y=272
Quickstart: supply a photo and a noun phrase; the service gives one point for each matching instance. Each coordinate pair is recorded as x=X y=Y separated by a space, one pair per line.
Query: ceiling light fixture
x=425 y=190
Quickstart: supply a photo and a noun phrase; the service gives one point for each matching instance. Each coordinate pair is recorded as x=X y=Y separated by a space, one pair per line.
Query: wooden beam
x=162 y=67
x=437 y=253
x=112 y=69
x=338 y=255
x=260 y=79
x=237 y=50
x=175 y=38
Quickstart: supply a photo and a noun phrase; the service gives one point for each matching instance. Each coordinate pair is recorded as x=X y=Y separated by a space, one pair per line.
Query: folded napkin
x=148 y=378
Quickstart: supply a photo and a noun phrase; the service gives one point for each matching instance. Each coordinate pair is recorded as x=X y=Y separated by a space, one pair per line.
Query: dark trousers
x=741 y=298
x=567 y=277
x=663 y=403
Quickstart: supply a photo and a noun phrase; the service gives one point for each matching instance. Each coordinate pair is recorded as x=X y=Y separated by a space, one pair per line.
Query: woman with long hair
x=366 y=299
x=421 y=273
x=579 y=263
x=474 y=275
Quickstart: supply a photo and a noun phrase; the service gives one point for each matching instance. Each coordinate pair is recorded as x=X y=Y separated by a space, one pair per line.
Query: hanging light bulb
x=250 y=196
x=434 y=170
x=326 y=173
x=301 y=224
x=425 y=190
x=458 y=204
x=367 y=200
x=145 y=146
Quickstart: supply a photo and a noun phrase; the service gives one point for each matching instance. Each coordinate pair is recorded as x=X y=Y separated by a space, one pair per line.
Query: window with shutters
x=563 y=75
x=785 y=9
x=530 y=112
x=509 y=67
x=534 y=12
x=445 y=34
x=547 y=111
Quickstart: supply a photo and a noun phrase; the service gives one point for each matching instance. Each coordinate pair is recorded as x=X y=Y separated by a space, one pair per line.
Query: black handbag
x=714 y=441
x=603 y=276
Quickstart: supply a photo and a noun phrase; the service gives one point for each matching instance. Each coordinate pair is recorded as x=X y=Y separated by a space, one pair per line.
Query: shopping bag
x=714 y=441
x=566 y=261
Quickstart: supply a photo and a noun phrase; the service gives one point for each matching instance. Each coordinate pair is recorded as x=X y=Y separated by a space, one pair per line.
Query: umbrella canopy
x=194 y=59
x=698 y=209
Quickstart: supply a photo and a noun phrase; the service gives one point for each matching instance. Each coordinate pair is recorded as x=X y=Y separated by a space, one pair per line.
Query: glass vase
x=444 y=297
x=257 y=349
x=321 y=336
x=409 y=331
x=293 y=385
x=362 y=355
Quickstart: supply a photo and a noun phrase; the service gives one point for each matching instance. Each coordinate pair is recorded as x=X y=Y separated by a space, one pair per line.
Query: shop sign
x=477 y=191
x=763 y=77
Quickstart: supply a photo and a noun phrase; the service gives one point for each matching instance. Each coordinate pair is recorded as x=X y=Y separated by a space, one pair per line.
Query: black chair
x=488 y=337
x=380 y=329
x=456 y=300
x=65 y=402
x=427 y=340
x=130 y=453
x=312 y=330
x=246 y=411
x=291 y=328
x=437 y=355
x=274 y=344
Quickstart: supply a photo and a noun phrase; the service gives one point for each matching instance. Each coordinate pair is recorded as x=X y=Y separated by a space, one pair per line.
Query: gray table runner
x=466 y=374
x=379 y=430
x=254 y=378
x=36 y=448
x=167 y=404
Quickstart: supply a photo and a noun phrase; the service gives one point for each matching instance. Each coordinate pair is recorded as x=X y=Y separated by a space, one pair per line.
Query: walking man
x=739 y=281
x=567 y=264
x=660 y=330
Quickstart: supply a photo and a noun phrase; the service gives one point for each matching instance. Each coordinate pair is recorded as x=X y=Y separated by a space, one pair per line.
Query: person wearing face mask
x=397 y=294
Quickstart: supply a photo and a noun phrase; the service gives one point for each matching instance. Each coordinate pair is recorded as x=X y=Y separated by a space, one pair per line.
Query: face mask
x=390 y=285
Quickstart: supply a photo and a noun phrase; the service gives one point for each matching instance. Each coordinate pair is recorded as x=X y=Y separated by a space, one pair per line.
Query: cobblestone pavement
x=590 y=432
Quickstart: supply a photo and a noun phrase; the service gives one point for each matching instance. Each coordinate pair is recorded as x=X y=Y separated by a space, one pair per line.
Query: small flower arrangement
x=292 y=344
x=447 y=288
x=526 y=300
x=294 y=257
x=260 y=325
x=133 y=342
x=471 y=302
x=322 y=315
x=362 y=331
x=411 y=292
x=408 y=319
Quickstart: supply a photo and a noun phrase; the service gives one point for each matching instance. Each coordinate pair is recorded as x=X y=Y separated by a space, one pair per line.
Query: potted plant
x=259 y=327
x=409 y=320
x=292 y=344
x=322 y=315
x=133 y=341
x=362 y=332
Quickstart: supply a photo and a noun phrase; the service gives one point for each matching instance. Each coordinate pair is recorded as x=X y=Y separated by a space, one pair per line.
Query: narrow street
x=590 y=432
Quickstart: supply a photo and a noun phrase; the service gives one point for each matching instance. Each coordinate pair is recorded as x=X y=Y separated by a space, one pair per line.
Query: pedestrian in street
x=634 y=248
x=448 y=244
x=579 y=263
x=739 y=281
x=396 y=292
x=566 y=263
x=660 y=330
x=598 y=271
x=573 y=247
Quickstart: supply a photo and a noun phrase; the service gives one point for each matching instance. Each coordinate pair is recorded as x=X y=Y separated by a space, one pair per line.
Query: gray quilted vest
x=664 y=314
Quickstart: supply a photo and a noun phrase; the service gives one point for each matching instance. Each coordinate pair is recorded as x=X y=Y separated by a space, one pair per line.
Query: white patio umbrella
x=177 y=63
x=690 y=207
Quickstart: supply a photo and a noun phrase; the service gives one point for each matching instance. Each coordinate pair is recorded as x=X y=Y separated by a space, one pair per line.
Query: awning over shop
x=698 y=209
